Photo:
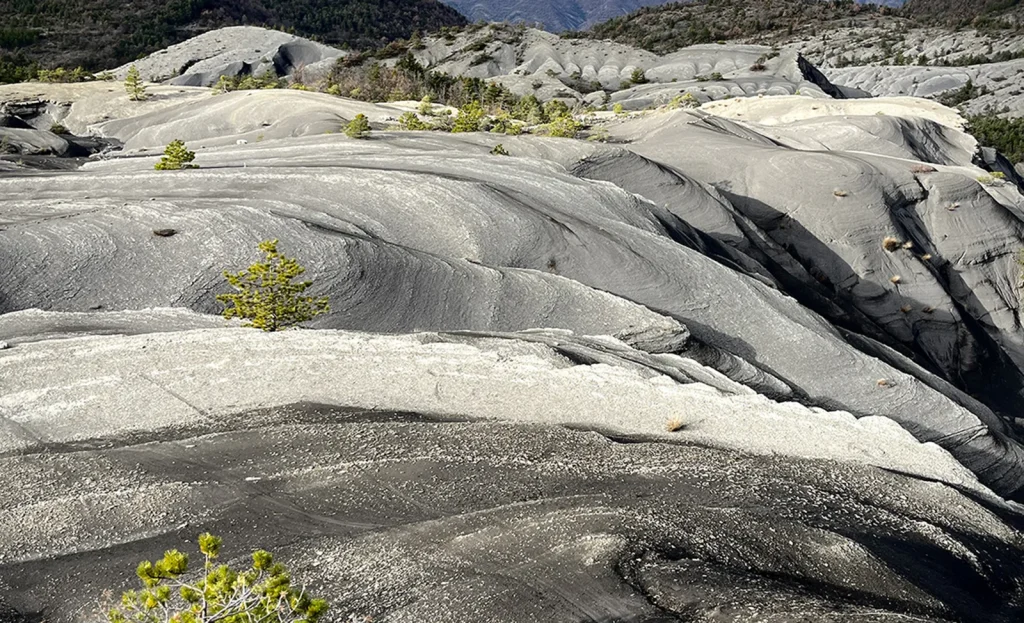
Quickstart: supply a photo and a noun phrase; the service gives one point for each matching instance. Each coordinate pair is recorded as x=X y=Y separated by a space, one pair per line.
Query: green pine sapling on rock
x=176 y=156
x=263 y=593
x=266 y=295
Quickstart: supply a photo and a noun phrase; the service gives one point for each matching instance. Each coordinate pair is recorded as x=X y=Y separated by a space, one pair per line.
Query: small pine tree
x=176 y=156
x=470 y=118
x=261 y=593
x=359 y=127
x=133 y=85
x=266 y=296
x=638 y=76
x=426 y=106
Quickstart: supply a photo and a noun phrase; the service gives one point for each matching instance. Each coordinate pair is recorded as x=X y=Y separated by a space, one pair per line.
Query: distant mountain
x=553 y=15
x=559 y=15
x=105 y=33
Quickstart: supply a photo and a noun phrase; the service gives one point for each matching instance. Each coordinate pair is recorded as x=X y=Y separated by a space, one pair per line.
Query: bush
x=176 y=156
x=266 y=80
x=266 y=297
x=359 y=127
x=470 y=118
x=564 y=127
x=1005 y=135
x=133 y=85
x=426 y=106
x=638 y=76
x=993 y=179
x=556 y=109
x=411 y=121
x=686 y=100
x=499 y=150
x=262 y=593
x=63 y=75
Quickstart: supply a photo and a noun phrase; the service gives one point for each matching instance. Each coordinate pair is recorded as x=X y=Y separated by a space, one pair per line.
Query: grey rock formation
x=234 y=51
x=759 y=356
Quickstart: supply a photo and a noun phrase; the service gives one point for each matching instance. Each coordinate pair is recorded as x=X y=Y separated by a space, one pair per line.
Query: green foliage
x=263 y=593
x=638 y=76
x=106 y=33
x=470 y=118
x=63 y=75
x=58 y=128
x=995 y=178
x=267 y=296
x=666 y=28
x=359 y=127
x=503 y=123
x=556 y=109
x=17 y=68
x=426 y=107
x=618 y=109
x=564 y=127
x=499 y=150
x=411 y=121
x=962 y=95
x=176 y=156
x=686 y=100
x=1005 y=135
x=133 y=85
x=408 y=80
x=530 y=110
x=266 y=80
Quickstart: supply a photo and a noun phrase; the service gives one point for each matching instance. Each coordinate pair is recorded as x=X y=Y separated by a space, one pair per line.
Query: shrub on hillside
x=471 y=118
x=359 y=127
x=1005 y=135
x=267 y=296
x=176 y=156
x=263 y=593
x=134 y=86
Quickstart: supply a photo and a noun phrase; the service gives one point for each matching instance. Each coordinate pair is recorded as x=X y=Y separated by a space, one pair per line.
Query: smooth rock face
x=760 y=356
x=373 y=507
x=233 y=51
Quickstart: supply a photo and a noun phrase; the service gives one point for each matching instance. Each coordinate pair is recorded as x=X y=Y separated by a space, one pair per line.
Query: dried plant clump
x=890 y=244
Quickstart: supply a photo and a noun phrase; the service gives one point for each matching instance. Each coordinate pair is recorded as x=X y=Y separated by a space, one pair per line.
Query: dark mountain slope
x=669 y=27
x=982 y=13
x=104 y=33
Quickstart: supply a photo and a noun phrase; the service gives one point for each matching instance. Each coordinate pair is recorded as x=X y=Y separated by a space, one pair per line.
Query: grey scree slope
x=473 y=455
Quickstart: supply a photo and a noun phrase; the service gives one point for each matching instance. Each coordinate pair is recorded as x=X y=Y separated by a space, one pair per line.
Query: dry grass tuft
x=675 y=425
x=840 y=193
x=890 y=244
x=895 y=279
x=908 y=244
x=926 y=257
x=906 y=309
x=885 y=383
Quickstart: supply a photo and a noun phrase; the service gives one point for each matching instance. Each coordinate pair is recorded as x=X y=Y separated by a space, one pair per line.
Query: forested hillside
x=103 y=33
x=667 y=28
